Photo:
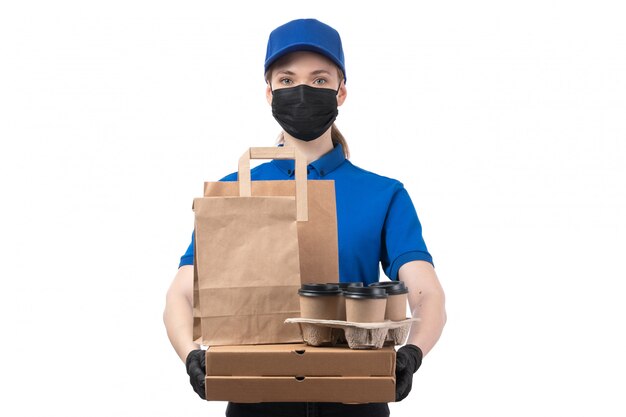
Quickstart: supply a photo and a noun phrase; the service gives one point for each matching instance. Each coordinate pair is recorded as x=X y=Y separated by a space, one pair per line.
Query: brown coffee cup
x=320 y=301
x=365 y=304
x=397 y=295
x=342 y=303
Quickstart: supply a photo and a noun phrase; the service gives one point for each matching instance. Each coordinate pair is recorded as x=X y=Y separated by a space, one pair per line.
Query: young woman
x=377 y=223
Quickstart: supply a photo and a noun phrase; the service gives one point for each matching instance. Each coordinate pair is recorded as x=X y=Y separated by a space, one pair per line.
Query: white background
x=504 y=120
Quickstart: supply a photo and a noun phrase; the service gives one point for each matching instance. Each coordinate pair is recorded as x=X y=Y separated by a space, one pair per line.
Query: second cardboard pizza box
x=255 y=389
x=299 y=360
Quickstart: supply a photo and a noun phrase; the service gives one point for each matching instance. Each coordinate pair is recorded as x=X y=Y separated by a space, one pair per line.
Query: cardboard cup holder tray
x=317 y=332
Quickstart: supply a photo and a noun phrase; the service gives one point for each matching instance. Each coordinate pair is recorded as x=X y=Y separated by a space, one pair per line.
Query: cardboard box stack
x=298 y=372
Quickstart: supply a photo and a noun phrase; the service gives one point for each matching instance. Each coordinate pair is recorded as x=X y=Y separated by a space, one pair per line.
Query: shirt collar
x=324 y=165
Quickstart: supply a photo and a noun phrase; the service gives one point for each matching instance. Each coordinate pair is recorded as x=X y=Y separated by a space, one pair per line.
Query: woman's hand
x=408 y=361
x=196 y=369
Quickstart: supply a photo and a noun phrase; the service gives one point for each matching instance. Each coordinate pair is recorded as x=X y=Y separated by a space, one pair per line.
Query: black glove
x=408 y=360
x=196 y=369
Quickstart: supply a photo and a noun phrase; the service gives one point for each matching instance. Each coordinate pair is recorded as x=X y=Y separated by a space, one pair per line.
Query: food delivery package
x=300 y=373
x=255 y=243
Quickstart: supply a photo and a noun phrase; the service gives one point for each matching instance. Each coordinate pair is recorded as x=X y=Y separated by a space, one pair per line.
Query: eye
x=286 y=81
x=320 y=81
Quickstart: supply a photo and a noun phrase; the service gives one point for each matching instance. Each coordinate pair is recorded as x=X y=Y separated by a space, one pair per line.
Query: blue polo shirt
x=376 y=220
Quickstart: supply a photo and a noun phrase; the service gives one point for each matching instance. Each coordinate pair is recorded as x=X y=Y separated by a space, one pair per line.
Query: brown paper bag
x=251 y=255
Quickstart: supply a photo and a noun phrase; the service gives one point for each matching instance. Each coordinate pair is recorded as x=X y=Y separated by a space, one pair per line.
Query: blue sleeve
x=187 y=258
x=402 y=239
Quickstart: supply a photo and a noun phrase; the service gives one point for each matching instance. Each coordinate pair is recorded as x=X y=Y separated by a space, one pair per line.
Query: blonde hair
x=336 y=136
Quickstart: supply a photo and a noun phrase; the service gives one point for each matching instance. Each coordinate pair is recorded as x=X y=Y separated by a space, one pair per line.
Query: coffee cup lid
x=392 y=287
x=365 y=292
x=344 y=285
x=317 y=290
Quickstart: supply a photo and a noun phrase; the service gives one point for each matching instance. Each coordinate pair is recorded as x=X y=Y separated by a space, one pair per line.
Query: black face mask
x=305 y=112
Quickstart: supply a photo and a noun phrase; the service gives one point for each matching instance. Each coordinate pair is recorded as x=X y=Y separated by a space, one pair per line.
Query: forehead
x=304 y=62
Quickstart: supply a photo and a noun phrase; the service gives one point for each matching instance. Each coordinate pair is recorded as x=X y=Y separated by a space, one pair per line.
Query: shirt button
x=289 y=171
x=322 y=172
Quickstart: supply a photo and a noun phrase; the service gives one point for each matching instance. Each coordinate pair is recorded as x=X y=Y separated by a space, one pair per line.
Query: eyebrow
x=316 y=72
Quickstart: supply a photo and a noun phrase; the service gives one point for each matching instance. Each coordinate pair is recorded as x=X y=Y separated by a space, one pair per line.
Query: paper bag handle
x=283 y=152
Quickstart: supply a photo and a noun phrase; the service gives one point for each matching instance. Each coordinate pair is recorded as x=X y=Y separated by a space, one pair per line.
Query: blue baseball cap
x=305 y=35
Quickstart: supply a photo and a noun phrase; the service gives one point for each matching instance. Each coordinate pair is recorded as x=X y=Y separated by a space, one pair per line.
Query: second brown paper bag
x=255 y=243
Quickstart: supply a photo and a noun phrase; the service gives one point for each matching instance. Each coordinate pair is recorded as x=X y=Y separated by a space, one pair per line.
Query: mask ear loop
x=336 y=92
